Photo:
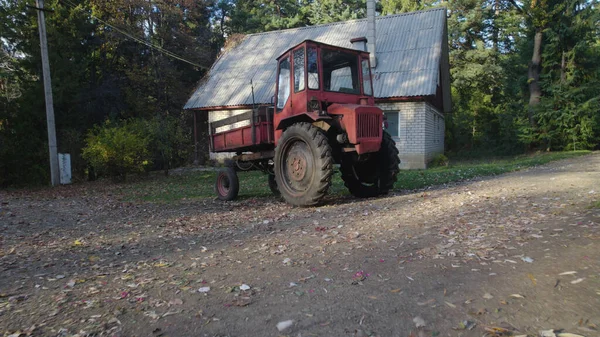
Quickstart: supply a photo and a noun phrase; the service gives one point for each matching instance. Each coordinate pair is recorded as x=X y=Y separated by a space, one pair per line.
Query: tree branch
x=519 y=8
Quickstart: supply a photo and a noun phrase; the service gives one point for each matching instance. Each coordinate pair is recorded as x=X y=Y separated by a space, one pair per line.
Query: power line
x=138 y=40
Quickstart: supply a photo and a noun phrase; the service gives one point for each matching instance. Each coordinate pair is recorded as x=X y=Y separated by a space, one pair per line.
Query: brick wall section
x=434 y=132
x=420 y=134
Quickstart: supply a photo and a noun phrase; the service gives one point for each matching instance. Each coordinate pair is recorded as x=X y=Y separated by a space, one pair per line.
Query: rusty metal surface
x=409 y=54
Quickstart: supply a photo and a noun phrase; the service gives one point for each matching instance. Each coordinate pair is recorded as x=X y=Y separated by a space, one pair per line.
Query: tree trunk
x=495 y=30
x=563 y=68
x=535 y=91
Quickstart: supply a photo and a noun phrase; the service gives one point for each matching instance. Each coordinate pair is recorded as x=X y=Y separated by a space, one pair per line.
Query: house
x=410 y=76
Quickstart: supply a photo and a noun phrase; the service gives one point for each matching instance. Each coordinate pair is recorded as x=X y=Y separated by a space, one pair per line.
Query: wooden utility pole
x=54 y=173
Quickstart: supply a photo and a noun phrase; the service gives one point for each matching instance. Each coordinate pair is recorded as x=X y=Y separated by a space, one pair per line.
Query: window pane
x=366 y=75
x=392 y=123
x=313 y=69
x=340 y=71
x=299 y=70
x=283 y=91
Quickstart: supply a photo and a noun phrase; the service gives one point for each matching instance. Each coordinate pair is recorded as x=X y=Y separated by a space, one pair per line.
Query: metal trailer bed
x=255 y=137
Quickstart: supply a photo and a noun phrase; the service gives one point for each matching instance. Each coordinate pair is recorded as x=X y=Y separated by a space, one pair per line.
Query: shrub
x=116 y=150
x=439 y=160
x=169 y=143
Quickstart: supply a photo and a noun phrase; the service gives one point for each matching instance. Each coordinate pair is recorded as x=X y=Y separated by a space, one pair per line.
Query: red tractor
x=323 y=113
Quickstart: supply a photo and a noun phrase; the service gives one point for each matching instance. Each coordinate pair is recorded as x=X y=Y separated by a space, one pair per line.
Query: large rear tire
x=227 y=185
x=375 y=175
x=303 y=165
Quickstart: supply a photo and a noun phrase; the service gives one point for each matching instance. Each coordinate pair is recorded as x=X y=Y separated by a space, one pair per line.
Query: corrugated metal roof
x=409 y=55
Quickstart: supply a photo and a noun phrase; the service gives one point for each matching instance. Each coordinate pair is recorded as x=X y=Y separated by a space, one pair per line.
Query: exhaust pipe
x=371 y=32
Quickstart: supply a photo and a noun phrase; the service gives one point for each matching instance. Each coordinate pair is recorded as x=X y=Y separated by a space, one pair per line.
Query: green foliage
x=117 y=150
x=97 y=74
x=170 y=144
x=439 y=161
x=491 y=47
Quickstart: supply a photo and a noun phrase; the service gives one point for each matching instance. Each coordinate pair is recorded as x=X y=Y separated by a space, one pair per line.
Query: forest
x=525 y=75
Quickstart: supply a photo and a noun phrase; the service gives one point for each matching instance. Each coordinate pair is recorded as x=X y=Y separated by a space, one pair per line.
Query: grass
x=468 y=169
x=200 y=184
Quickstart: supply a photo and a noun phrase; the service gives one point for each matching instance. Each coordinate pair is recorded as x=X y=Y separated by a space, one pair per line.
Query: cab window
x=313 y=69
x=366 y=76
x=299 y=70
x=340 y=71
x=283 y=83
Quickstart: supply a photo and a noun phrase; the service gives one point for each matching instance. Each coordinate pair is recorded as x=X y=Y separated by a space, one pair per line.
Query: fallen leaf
x=419 y=322
x=497 y=331
x=304 y=279
x=547 y=333
x=395 y=291
x=532 y=278
x=450 y=304
x=426 y=302
x=283 y=325
x=176 y=301
x=151 y=314
x=465 y=325
x=481 y=311
x=242 y=302
x=517 y=296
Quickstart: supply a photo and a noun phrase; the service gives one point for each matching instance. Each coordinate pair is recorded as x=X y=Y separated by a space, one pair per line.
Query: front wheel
x=227 y=185
x=374 y=176
x=303 y=165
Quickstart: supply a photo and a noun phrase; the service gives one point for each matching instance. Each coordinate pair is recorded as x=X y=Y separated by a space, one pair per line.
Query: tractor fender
x=308 y=117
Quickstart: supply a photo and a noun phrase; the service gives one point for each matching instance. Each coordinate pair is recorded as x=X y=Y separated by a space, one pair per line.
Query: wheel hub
x=297 y=167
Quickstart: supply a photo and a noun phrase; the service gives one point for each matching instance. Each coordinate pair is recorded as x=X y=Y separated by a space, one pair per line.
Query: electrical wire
x=138 y=40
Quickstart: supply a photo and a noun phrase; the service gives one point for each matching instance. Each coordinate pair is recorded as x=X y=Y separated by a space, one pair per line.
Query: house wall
x=419 y=131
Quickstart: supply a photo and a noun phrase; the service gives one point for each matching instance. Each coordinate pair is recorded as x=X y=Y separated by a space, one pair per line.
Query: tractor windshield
x=340 y=71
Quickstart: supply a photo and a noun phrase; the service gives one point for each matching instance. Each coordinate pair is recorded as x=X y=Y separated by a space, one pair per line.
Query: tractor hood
x=362 y=123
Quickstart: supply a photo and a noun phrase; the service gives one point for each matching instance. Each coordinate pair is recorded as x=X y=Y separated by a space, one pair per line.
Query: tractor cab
x=316 y=81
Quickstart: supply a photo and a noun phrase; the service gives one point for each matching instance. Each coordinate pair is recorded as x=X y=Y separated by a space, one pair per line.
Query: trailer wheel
x=303 y=165
x=227 y=185
x=273 y=185
x=374 y=176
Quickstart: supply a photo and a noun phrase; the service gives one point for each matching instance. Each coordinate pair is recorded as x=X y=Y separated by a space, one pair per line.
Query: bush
x=439 y=160
x=169 y=143
x=116 y=150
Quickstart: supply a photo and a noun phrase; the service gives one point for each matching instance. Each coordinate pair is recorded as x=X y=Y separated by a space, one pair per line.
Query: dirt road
x=513 y=254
